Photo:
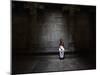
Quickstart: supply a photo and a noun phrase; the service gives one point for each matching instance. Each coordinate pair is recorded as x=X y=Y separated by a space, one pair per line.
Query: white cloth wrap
x=61 y=51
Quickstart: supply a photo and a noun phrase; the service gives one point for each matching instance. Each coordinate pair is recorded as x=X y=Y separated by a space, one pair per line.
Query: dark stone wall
x=38 y=29
x=20 y=32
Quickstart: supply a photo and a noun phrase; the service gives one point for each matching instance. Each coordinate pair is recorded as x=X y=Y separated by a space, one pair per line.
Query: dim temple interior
x=37 y=28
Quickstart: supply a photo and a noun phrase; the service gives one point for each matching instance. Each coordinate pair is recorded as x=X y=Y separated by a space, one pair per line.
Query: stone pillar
x=71 y=14
x=33 y=14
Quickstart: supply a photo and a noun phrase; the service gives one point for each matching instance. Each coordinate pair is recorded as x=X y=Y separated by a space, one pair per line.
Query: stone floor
x=49 y=63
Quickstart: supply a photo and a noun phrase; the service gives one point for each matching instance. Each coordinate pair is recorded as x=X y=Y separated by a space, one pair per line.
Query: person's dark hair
x=61 y=42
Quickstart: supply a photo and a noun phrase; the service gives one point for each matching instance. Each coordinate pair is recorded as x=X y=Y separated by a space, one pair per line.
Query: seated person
x=61 y=49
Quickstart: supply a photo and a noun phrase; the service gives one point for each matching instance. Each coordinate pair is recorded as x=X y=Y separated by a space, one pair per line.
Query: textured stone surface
x=37 y=28
x=50 y=63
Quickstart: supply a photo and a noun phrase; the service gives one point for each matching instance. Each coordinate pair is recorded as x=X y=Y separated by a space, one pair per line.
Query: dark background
x=38 y=27
x=34 y=28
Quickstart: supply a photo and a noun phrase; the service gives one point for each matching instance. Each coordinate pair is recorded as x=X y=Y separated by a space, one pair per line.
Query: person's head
x=61 y=39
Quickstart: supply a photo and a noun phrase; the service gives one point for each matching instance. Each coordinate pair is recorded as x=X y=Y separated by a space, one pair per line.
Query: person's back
x=61 y=48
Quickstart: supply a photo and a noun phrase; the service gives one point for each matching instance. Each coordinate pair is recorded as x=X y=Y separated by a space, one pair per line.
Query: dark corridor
x=36 y=30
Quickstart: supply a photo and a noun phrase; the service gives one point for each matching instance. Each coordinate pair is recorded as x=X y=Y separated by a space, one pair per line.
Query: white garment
x=61 y=51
